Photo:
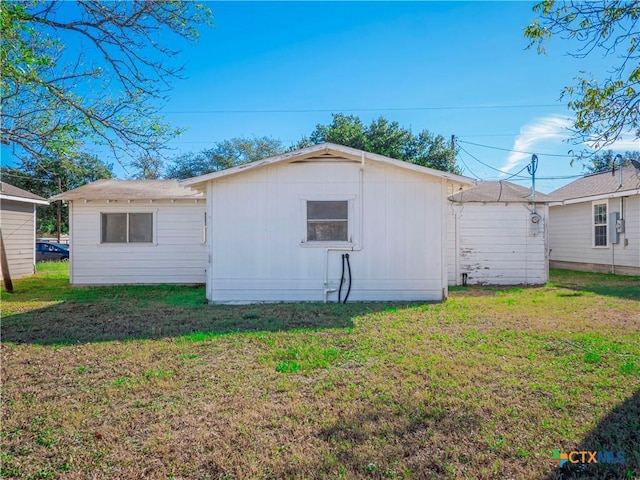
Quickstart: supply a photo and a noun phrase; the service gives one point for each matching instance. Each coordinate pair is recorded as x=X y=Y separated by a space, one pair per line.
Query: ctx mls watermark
x=587 y=456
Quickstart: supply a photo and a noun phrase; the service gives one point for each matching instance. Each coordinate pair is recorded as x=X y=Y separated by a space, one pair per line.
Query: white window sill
x=345 y=245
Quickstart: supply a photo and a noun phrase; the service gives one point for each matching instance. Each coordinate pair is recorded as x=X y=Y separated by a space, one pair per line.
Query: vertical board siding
x=17 y=221
x=495 y=245
x=258 y=228
x=177 y=255
x=571 y=236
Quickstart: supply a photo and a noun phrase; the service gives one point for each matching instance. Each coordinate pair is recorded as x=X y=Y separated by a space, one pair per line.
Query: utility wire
x=519 y=177
x=392 y=109
x=516 y=151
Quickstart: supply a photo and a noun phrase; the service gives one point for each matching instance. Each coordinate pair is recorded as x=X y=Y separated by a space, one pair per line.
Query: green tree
x=42 y=176
x=90 y=72
x=604 y=161
x=224 y=154
x=604 y=108
x=387 y=138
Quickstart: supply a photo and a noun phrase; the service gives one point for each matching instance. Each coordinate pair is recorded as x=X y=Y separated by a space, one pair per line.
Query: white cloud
x=625 y=143
x=551 y=127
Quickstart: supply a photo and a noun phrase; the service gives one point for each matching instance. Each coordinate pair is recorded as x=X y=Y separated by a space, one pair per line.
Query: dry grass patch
x=152 y=383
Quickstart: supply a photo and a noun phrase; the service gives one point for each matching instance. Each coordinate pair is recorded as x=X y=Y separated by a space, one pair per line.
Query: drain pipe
x=355 y=248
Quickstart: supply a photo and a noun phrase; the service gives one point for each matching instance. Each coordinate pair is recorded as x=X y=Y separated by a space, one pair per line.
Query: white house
x=497 y=235
x=18 y=227
x=136 y=232
x=278 y=228
x=595 y=223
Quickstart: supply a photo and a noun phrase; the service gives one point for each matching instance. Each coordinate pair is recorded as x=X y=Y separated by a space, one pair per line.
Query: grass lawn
x=149 y=382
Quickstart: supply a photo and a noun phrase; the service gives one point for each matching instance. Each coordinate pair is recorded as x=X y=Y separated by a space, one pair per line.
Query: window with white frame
x=327 y=221
x=127 y=228
x=600 y=224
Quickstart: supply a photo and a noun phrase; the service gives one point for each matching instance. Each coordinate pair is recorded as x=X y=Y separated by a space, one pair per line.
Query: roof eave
x=24 y=199
x=591 y=198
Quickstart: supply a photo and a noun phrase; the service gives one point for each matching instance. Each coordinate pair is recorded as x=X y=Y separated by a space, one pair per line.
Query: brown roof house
x=594 y=223
x=18 y=226
x=497 y=234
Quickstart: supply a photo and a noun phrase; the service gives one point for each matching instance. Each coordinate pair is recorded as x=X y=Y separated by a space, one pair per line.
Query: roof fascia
x=591 y=198
x=23 y=199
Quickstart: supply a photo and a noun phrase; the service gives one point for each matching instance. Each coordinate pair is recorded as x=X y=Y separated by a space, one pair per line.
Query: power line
x=486 y=164
x=380 y=109
x=516 y=151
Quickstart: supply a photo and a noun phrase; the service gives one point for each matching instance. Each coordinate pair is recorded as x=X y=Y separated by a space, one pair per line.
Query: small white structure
x=595 y=223
x=136 y=232
x=18 y=226
x=277 y=228
x=498 y=236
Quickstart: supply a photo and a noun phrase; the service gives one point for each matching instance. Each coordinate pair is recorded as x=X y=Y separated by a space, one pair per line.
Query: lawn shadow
x=368 y=443
x=126 y=319
x=620 y=286
x=618 y=431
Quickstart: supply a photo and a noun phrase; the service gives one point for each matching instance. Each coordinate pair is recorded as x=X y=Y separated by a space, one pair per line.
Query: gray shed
x=18 y=226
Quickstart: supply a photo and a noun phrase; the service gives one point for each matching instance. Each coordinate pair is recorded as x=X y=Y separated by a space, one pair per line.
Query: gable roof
x=9 y=192
x=113 y=189
x=500 y=191
x=599 y=184
x=324 y=150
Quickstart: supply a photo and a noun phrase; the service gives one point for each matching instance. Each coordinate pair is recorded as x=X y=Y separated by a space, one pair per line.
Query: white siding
x=496 y=246
x=571 y=236
x=257 y=233
x=17 y=220
x=177 y=255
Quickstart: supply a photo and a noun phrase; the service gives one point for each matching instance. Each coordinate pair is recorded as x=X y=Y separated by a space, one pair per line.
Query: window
x=127 y=228
x=327 y=221
x=599 y=224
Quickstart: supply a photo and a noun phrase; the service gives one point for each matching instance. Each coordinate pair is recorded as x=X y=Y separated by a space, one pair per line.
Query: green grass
x=149 y=382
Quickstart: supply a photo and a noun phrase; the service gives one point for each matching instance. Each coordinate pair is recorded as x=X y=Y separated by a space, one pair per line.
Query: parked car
x=48 y=251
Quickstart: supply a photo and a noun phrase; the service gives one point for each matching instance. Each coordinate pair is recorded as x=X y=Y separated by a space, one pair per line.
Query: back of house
x=136 y=232
x=595 y=223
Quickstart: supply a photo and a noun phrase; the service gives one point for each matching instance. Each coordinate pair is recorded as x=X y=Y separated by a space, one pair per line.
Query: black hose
x=341 y=281
x=349 y=268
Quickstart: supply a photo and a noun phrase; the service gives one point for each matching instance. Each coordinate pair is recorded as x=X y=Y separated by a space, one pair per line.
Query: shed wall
x=496 y=246
x=571 y=237
x=17 y=220
x=178 y=254
x=257 y=233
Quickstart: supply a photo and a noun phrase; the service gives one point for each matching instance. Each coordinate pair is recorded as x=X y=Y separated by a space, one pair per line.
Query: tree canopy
x=90 y=72
x=380 y=136
x=387 y=138
x=605 y=108
x=41 y=176
x=224 y=154
x=606 y=160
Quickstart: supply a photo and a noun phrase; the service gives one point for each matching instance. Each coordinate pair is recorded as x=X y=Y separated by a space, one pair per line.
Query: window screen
x=114 y=228
x=140 y=227
x=600 y=225
x=127 y=228
x=327 y=221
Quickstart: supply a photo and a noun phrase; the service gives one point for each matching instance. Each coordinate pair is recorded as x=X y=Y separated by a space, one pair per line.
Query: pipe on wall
x=357 y=247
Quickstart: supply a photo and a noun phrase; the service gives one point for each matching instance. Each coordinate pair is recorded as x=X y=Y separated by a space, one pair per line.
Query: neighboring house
x=136 y=232
x=595 y=223
x=497 y=235
x=277 y=228
x=18 y=224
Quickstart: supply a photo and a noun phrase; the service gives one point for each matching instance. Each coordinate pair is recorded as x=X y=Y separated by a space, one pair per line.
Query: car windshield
x=60 y=245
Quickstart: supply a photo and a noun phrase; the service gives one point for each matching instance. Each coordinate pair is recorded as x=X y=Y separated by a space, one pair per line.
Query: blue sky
x=279 y=69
